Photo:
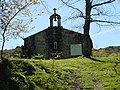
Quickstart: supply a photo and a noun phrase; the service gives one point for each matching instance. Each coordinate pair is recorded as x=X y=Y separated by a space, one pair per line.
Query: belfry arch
x=55 y=18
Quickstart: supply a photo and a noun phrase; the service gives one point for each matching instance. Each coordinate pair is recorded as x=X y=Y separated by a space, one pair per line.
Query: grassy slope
x=68 y=74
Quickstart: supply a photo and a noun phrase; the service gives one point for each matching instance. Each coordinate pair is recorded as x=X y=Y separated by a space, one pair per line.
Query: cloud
x=106 y=31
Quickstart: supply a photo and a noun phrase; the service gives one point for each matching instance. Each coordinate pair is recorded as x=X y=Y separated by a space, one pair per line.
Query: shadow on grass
x=94 y=59
x=114 y=67
x=98 y=60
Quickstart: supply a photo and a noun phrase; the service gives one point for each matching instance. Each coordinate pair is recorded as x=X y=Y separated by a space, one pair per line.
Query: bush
x=115 y=55
x=38 y=56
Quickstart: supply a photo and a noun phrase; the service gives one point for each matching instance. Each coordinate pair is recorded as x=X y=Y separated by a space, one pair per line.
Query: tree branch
x=45 y=6
x=81 y=13
x=5 y=29
x=15 y=15
x=99 y=4
x=111 y=22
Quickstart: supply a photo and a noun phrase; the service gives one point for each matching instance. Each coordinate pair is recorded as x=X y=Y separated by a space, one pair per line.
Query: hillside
x=16 y=52
x=102 y=52
x=106 y=52
x=80 y=73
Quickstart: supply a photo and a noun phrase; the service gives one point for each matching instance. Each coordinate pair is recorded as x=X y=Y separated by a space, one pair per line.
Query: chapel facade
x=54 y=42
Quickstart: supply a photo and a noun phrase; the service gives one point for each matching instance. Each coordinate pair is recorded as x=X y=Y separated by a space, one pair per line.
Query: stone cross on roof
x=54 y=10
x=55 y=17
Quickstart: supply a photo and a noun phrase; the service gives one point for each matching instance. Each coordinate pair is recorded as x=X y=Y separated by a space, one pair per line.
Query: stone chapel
x=54 y=42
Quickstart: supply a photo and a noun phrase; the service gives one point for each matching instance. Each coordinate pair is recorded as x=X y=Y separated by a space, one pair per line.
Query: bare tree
x=11 y=25
x=91 y=13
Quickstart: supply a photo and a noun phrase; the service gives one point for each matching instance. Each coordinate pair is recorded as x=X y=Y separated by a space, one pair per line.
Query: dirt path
x=98 y=85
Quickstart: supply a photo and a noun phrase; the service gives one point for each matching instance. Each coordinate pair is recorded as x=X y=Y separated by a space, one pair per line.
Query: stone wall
x=53 y=35
x=29 y=45
x=69 y=37
x=42 y=42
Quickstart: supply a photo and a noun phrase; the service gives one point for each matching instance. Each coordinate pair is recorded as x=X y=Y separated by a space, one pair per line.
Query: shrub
x=38 y=56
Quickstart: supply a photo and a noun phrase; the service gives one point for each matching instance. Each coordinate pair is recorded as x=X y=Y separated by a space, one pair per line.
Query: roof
x=50 y=28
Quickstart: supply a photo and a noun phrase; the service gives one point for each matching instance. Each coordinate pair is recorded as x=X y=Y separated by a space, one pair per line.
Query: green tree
x=11 y=24
x=92 y=12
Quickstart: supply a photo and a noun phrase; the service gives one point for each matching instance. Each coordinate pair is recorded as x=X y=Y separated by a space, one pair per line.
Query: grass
x=79 y=73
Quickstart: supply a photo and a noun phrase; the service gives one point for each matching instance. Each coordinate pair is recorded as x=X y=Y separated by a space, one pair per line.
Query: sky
x=101 y=36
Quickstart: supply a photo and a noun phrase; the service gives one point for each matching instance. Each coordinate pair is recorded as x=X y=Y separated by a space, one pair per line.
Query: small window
x=55 y=45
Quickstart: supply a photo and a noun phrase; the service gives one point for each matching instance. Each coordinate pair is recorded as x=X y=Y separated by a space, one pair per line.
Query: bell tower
x=55 y=18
